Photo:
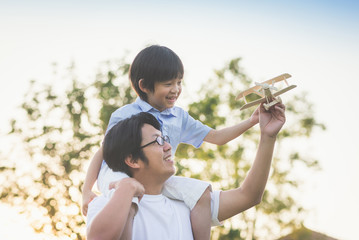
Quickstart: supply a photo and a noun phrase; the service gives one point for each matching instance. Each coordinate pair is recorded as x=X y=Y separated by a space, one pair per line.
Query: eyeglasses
x=160 y=140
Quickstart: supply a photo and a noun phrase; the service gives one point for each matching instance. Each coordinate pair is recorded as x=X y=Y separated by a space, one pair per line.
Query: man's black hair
x=124 y=139
x=154 y=64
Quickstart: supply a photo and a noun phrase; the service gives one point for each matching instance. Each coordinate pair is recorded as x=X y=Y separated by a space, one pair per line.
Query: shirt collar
x=146 y=107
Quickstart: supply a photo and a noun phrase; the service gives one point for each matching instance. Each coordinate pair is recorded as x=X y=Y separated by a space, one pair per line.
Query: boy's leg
x=107 y=176
x=201 y=217
x=196 y=195
x=185 y=189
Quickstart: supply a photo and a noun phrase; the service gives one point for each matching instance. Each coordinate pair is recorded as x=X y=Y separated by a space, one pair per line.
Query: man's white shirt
x=162 y=218
x=158 y=217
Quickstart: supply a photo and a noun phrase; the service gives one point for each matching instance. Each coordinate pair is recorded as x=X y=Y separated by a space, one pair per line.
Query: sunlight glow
x=315 y=41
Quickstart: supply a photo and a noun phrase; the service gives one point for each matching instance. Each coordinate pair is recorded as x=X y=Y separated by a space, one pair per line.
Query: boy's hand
x=254 y=119
x=136 y=185
x=271 y=121
x=87 y=197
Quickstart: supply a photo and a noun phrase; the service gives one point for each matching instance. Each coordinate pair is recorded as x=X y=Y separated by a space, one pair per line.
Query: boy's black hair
x=124 y=139
x=154 y=64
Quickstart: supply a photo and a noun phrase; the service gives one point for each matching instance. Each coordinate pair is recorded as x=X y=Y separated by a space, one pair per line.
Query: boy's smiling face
x=165 y=94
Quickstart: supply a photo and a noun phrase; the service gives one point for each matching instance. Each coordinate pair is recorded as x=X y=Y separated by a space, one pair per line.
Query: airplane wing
x=255 y=89
x=279 y=78
x=251 y=104
x=249 y=91
x=262 y=100
x=284 y=90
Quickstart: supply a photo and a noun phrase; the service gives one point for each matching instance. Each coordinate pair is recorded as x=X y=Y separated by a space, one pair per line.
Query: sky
x=315 y=41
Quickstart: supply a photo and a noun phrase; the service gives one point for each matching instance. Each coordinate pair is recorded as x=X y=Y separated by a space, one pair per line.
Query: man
x=136 y=146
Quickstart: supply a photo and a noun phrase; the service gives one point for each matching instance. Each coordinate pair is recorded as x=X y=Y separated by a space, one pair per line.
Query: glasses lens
x=160 y=140
x=165 y=139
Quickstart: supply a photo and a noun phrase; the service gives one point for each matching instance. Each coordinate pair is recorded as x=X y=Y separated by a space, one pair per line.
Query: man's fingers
x=280 y=108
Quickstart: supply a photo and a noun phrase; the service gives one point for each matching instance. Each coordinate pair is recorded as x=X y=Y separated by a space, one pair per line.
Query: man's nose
x=167 y=147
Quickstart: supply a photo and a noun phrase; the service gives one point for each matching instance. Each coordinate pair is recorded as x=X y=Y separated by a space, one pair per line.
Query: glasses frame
x=160 y=141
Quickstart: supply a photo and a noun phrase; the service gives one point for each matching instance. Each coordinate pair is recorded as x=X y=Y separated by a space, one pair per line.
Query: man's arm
x=222 y=136
x=251 y=191
x=110 y=222
x=91 y=176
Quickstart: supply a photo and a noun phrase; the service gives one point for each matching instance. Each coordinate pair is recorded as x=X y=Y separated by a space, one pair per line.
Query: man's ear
x=131 y=162
x=141 y=86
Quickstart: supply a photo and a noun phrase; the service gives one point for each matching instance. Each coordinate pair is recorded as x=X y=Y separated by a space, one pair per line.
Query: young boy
x=156 y=75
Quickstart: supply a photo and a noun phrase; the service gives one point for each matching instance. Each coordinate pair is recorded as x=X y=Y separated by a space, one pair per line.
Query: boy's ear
x=141 y=86
x=132 y=163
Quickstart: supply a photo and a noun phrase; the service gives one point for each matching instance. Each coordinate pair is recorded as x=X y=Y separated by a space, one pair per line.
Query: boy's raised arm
x=251 y=191
x=91 y=176
x=222 y=136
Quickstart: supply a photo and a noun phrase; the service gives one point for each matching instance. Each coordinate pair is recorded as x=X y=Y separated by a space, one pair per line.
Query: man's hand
x=271 y=121
x=136 y=185
x=87 y=197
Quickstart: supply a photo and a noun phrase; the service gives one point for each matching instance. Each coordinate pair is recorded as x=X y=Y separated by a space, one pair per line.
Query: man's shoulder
x=164 y=201
x=180 y=205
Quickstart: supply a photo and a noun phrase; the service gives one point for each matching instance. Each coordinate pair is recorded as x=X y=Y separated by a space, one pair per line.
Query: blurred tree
x=304 y=233
x=60 y=132
x=226 y=166
x=62 y=128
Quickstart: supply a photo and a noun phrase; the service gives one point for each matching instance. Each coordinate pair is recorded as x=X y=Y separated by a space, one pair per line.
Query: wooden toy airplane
x=263 y=89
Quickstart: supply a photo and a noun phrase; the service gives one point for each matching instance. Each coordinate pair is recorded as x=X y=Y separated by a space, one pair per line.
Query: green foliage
x=226 y=166
x=303 y=233
x=61 y=130
x=231 y=234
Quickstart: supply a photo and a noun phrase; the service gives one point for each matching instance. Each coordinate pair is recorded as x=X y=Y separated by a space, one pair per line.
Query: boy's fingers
x=85 y=204
x=141 y=195
x=84 y=211
x=111 y=185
